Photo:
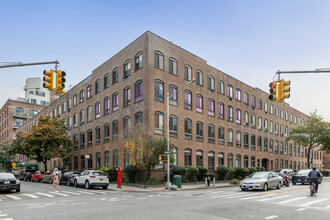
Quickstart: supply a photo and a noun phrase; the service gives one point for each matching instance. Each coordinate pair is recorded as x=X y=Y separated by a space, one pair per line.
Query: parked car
x=37 y=176
x=26 y=175
x=15 y=173
x=302 y=177
x=262 y=181
x=92 y=178
x=49 y=176
x=68 y=177
x=9 y=182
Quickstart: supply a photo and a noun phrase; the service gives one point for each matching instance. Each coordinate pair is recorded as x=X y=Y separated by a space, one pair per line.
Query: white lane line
x=273 y=198
x=290 y=200
x=272 y=216
x=257 y=197
x=30 y=195
x=7 y=219
x=328 y=206
x=89 y=193
x=73 y=193
x=301 y=209
x=60 y=194
x=313 y=202
x=13 y=197
x=3 y=215
x=44 y=194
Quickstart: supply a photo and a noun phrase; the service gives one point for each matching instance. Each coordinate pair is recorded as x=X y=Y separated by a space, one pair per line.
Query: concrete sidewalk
x=159 y=188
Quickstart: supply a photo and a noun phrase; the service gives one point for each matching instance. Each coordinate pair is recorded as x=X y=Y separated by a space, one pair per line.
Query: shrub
x=201 y=173
x=252 y=170
x=261 y=169
x=177 y=170
x=130 y=172
x=222 y=172
x=192 y=174
x=231 y=174
x=104 y=169
x=235 y=181
x=210 y=175
x=113 y=174
x=245 y=172
x=325 y=172
x=152 y=180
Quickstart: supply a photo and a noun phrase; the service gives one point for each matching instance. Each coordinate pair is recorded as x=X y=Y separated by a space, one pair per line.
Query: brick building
x=215 y=120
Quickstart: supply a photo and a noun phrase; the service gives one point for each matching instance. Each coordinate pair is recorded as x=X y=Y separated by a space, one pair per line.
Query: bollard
x=205 y=182
x=208 y=181
x=213 y=181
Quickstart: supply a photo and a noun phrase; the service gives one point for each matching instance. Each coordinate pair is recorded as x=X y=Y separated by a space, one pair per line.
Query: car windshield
x=258 y=175
x=6 y=175
x=99 y=173
x=303 y=172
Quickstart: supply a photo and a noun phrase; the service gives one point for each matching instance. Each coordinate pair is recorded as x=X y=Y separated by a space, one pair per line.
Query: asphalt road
x=39 y=201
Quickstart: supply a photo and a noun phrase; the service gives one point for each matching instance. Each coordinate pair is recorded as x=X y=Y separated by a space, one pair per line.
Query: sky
x=247 y=39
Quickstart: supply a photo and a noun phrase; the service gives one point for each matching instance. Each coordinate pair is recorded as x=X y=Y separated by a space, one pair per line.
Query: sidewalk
x=159 y=188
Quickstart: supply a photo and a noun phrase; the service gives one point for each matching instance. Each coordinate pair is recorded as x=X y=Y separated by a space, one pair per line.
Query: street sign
x=14 y=165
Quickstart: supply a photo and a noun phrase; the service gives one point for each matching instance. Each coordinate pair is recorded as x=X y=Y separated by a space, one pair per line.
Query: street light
x=168 y=183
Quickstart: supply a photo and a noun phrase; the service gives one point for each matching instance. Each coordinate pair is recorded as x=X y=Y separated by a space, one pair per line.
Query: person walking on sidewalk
x=56 y=181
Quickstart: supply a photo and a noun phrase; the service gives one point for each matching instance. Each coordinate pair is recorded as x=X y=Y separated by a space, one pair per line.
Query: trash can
x=177 y=181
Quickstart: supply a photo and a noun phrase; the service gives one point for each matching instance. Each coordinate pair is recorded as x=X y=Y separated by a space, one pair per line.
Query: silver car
x=262 y=181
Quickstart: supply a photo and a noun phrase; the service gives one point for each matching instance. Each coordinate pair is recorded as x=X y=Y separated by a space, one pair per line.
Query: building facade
x=35 y=93
x=216 y=120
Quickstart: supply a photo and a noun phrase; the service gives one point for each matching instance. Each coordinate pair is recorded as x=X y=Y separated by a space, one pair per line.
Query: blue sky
x=249 y=40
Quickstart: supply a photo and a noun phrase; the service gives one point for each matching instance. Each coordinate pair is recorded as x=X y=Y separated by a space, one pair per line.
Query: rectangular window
x=127 y=69
x=199 y=104
x=173 y=95
x=173 y=69
x=187 y=73
x=199 y=78
x=115 y=102
x=115 y=76
x=173 y=126
x=210 y=83
x=127 y=97
x=211 y=134
x=97 y=110
x=187 y=129
x=106 y=106
x=211 y=107
x=159 y=91
x=159 y=60
x=115 y=130
x=238 y=116
x=138 y=91
x=221 y=113
x=221 y=135
x=187 y=100
x=97 y=135
x=138 y=62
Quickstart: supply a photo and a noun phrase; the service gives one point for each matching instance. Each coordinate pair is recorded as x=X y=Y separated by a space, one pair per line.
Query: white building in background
x=35 y=93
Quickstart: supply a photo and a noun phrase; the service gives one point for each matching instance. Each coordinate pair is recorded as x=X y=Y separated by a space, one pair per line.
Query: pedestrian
x=56 y=180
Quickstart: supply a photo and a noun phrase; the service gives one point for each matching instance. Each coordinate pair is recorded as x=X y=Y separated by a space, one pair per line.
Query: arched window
x=221 y=159
x=127 y=69
x=210 y=83
x=246 y=161
x=115 y=76
x=221 y=87
x=97 y=86
x=115 y=158
x=173 y=66
x=159 y=123
x=138 y=91
x=238 y=160
x=159 y=60
x=97 y=160
x=107 y=159
x=187 y=73
x=75 y=163
x=210 y=160
x=106 y=106
x=199 y=158
x=253 y=161
x=106 y=80
x=187 y=157
x=81 y=95
x=127 y=96
x=138 y=61
x=230 y=160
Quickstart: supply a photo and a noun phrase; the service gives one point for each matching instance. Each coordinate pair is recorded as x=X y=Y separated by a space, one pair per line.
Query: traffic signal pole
x=30 y=64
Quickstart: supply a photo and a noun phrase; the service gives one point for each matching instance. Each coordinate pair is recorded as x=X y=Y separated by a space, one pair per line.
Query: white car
x=91 y=178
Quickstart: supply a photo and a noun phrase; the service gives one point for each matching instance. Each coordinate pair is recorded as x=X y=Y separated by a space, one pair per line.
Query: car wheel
x=18 y=190
x=243 y=189
x=68 y=183
x=278 y=185
x=265 y=187
x=105 y=187
x=75 y=184
x=87 y=185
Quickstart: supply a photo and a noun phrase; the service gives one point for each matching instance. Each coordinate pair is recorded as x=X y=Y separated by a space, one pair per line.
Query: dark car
x=68 y=177
x=15 y=173
x=26 y=175
x=9 y=182
x=302 y=177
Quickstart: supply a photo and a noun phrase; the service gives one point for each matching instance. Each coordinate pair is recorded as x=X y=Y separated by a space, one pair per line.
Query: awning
x=27 y=164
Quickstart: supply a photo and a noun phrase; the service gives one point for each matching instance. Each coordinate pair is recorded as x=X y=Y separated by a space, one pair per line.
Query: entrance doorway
x=264 y=163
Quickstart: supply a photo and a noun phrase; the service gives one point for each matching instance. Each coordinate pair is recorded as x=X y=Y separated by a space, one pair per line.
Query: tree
x=142 y=148
x=312 y=134
x=325 y=138
x=6 y=156
x=44 y=141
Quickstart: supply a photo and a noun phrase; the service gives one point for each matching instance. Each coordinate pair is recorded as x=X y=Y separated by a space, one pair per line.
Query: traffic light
x=283 y=90
x=163 y=158
x=60 y=80
x=48 y=79
x=272 y=91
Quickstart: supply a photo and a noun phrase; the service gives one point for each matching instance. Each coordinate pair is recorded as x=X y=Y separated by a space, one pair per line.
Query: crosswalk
x=275 y=197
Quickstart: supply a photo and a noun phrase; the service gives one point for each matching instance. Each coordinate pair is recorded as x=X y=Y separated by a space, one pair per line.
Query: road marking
x=272 y=216
x=301 y=209
x=44 y=194
x=60 y=194
x=13 y=197
x=328 y=206
x=80 y=203
x=237 y=196
x=227 y=194
x=89 y=193
x=30 y=195
x=103 y=193
x=209 y=193
x=313 y=202
x=290 y=200
x=73 y=193
x=278 y=197
x=3 y=215
x=256 y=197
x=7 y=219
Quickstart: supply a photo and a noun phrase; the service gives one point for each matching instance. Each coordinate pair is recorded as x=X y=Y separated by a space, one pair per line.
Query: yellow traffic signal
x=48 y=79
x=272 y=91
x=283 y=90
x=60 y=81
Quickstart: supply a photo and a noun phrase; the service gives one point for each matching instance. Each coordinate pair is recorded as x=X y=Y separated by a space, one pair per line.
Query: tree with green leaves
x=312 y=134
x=46 y=140
x=6 y=156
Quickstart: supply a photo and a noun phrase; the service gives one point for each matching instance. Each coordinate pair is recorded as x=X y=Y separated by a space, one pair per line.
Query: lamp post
x=168 y=183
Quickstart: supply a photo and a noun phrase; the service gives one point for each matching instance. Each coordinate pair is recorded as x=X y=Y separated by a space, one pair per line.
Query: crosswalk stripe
x=273 y=198
x=223 y=195
x=313 y=202
x=256 y=197
x=44 y=194
x=238 y=196
x=103 y=193
x=291 y=200
x=60 y=194
x=89 y=193
x=73 y=193
x=3 y=215
x=30 y=195
x=7 y=219
x=211 y=193
x=13 y=197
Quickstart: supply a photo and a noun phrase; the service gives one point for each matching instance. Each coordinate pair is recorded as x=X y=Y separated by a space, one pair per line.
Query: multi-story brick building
x=215 y=120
